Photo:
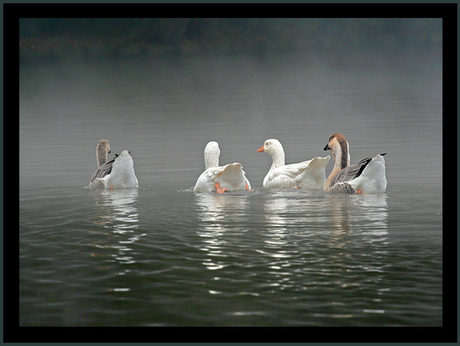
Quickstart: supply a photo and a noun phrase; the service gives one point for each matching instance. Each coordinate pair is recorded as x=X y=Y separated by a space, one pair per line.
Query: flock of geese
x=365 y=177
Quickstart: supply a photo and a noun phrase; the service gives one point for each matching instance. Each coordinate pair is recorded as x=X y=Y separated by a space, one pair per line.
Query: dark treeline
x=100 y=38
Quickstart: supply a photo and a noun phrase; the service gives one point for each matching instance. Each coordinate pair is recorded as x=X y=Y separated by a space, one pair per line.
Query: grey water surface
x=161 y=255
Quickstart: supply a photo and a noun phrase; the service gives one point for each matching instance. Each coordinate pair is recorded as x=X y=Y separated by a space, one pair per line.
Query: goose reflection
x=117 y=216
x=294 y=211
x=292 y=218
x=363 y=214
x=373 y=210
x=357 y=256
x=339 y=222
x=328 y=241
x=222 y=218
x=370 y=226
x=276 y=218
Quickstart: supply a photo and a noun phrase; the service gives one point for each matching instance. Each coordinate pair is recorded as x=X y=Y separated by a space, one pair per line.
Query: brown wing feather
x=350 y=172
x=104 y=170
x=342 y=188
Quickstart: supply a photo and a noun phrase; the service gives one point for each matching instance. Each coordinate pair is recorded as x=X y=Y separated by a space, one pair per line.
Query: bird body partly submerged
x=366 y=177
x=303 y=175
x=117 y=173
x=217 y=178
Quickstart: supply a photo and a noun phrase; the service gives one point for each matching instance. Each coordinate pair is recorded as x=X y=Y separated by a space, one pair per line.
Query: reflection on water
x=276 y=257
x=294 y=208
x=220 y=215
x=327 y=242
x=358 y=213
x=360 y=235
x=339 y=213
x=290 y=216
x=117 y=216
x=305 y=242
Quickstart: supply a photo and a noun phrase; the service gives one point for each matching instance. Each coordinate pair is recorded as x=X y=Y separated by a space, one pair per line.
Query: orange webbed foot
x=220 y=189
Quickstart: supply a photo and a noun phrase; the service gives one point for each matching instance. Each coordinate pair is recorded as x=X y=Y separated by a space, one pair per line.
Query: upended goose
x=117 y=173
x=366 y=177
x=217 y=178
x=303 y=175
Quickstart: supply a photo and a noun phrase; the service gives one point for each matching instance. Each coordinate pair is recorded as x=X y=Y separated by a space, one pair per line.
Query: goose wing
x=205 y=181
x=232 y=176
x=289 y=172
x=285 y=177
x=342 y=187
x=103 y=170
x=352 y=172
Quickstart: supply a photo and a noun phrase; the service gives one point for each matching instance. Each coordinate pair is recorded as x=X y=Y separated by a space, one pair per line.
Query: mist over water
x=162 y=255
x=166 y=111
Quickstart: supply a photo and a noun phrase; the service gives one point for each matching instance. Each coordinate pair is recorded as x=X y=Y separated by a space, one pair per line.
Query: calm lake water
x=161 y=255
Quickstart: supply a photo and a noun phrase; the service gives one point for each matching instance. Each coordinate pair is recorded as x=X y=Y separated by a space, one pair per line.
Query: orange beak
x=261 y=149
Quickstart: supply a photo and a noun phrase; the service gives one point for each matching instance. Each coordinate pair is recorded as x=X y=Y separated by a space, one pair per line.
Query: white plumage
x=303 y=175
x=217 y=178
x=117 y=173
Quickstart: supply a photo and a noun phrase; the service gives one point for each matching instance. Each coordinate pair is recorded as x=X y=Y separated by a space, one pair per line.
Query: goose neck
x=341 y=155
x=102 y=156
x=211 y=161
x=278 y=159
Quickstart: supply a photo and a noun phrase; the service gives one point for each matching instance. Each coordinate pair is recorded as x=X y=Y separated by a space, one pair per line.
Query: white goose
x=117 y=173
x=217 y=178
x=366 y=177
x=303 y=175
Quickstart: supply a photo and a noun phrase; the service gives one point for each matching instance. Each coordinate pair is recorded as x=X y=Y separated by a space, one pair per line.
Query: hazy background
x=163 y=255
x=163 y=88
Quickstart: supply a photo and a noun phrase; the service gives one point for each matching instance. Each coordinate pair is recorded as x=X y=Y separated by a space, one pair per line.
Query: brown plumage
x=342 y=173
x=102 y=152
x=104 y=167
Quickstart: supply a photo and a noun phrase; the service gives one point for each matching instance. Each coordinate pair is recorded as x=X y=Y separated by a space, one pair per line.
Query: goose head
x=211 y=155
x=340 y=149
x=276 y=151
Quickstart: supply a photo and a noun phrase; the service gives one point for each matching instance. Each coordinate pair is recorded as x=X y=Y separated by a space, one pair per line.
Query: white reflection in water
x=359 y=233
x=276 y=216
x=292 y=219
x=366 y=215
x=288 y=213
x=318 y=240
x=118 y=216
x=220 y=215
